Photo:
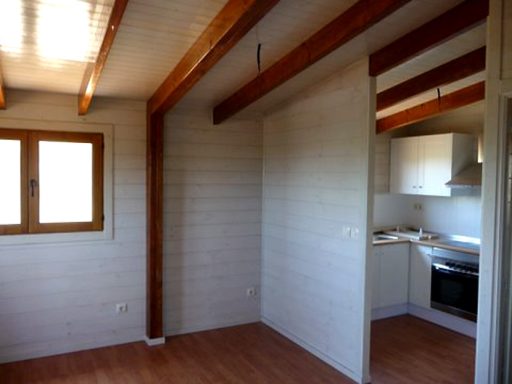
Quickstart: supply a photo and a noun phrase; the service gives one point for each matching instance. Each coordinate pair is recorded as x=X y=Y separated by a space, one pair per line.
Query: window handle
x=33 y=185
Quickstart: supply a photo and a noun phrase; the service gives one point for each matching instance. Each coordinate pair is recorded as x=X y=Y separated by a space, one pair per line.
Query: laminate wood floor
x=407 y=350
x=251 y=354
x=404 y=350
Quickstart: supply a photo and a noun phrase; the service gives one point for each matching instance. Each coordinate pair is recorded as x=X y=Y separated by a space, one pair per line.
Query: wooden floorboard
x=404 y=350
x=246 y=354
x=408 y=350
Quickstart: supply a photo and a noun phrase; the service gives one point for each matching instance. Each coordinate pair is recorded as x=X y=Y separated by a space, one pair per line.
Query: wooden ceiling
x=450 y=50
x=154 y=35
x=46 y=45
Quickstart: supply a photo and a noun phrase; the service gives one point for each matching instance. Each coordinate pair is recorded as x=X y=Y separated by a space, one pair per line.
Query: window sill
x=55 y=238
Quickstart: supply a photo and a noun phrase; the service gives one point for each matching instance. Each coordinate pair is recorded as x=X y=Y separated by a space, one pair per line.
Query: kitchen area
x=429 y=275
x=426 y=265
x=427 y=213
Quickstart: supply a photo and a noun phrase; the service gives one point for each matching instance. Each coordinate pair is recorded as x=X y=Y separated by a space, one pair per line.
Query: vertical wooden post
x=154 y=199
x=2 y=96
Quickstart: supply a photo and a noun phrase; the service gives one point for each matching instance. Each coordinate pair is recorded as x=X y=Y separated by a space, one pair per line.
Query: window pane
x=65 y=182
x=10 y=182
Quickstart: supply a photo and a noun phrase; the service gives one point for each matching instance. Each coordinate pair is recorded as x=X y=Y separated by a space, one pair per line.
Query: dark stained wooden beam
x=154 y=225
x=449 y=102
x=92 y=75
x=2 y=94
x=225 y=30
x=454 y=70
x=357 y=19
x=450 y=24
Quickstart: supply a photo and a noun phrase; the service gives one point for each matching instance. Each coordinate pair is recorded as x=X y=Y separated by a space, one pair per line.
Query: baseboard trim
x=391 y=311
x=154 y=342
x=208 y=327
x=446 y=320
x=311 y=349
x=77 y=347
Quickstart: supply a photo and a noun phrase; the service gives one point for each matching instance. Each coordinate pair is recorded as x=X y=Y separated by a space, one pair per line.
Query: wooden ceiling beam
x=457 y=69
x=225 y=31
x=232 y=23
x=449 y=102
x=92 y=75
x=431 y=34
x=357 y=19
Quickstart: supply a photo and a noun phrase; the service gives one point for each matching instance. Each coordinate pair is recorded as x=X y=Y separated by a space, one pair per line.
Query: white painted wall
x=212 y=221
x=60 y=296
x=316 y=166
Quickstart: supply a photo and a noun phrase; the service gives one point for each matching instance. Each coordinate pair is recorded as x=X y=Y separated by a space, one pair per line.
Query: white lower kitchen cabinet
x=390 y=272
x=420 y=275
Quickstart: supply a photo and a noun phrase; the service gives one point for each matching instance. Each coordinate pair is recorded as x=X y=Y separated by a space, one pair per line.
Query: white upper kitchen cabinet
x=422 y=165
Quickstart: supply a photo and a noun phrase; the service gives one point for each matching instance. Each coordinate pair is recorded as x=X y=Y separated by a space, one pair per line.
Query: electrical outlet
x=251 y=292
x=121 y=308
x=418 y=207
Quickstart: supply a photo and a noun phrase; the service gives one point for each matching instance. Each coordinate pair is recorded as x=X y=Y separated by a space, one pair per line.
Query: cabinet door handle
x=421 y=186
x=414 y=186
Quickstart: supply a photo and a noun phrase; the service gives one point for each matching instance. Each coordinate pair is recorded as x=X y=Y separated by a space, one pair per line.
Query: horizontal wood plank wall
x=212 y=221
x=381 y=169
x=57 y=298
x=314 y=184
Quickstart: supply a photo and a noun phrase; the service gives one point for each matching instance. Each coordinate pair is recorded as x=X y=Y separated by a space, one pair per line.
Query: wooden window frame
x=30 y=170
x=22 y=136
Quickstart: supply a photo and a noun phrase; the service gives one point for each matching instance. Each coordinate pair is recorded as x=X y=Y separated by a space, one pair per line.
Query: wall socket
x=418 y=207
x=121 y=308
x=251 y=292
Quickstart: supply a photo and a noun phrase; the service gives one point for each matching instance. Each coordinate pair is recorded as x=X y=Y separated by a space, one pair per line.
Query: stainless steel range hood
x=470 y=176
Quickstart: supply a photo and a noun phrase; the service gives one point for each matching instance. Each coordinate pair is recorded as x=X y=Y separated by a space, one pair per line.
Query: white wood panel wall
x=382 y=158
x=61 y=297
x=212 y=222
x=316 y=167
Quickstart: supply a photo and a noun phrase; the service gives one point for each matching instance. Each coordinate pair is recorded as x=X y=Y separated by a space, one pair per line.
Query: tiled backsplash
x=450 y=215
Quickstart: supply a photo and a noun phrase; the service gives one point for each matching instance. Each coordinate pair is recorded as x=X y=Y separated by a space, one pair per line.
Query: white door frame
x=489 y=348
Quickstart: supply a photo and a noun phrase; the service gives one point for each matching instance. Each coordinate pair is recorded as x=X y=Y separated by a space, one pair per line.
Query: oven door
x=454 y=292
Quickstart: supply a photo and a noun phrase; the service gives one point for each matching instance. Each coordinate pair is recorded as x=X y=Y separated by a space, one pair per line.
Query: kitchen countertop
x=435 y=242
x=430 y=243
x=438 y=244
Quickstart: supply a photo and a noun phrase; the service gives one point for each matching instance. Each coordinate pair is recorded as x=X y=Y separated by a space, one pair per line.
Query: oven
x=454 y=286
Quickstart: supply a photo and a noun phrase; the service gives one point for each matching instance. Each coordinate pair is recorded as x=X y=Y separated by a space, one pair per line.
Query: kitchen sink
x=410 y=233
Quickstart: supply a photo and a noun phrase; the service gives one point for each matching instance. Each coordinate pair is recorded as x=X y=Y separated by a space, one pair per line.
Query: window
x=50 y=181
